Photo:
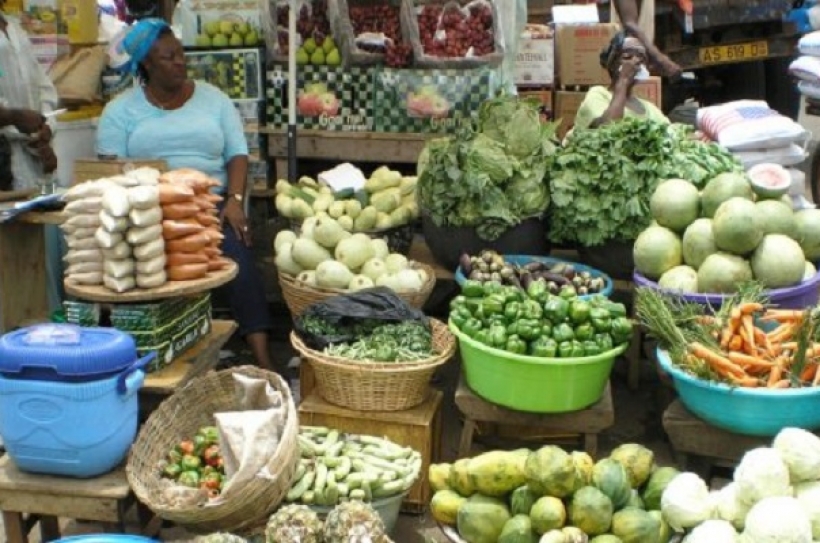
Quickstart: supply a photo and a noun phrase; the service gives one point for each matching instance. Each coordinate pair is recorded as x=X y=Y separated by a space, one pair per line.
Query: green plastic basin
x=533 y=384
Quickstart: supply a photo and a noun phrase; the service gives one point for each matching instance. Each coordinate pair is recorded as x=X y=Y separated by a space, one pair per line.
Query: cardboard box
x=535 y=61
x=328 y=98
x=650 y=90
x=545 y=97
x=578 y=49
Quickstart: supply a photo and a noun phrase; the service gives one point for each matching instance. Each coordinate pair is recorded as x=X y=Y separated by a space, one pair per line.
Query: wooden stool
x=26 y=499
x=700 y=447
x=586 y=424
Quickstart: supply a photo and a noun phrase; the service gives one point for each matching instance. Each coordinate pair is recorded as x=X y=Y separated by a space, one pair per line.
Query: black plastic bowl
x=614 y=258
x=447 y=243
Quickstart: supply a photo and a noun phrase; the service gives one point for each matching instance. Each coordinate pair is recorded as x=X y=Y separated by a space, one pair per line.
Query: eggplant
x=466 y=264
x=514 y=281
x=525 y=279
x=556 y=278
x=534 y=266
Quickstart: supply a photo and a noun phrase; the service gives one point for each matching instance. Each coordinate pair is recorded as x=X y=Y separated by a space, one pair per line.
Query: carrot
x=789 y=345
x=749 y=382
x=706 y=319
x=782 y=383
x=745 y=359
x=775 y=374
x=717 y=362
x=780 y=333
x=728 y=333
x=809 y=372
x=736 y=343
x=750 y=307
x=783 y=315
x=749 y=329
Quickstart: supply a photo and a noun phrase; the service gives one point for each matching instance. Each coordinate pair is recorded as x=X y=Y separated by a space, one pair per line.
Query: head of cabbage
x=514 y=122
x=685 y=502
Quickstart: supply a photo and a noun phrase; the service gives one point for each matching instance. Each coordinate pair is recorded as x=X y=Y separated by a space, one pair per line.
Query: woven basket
x=298 y=296
x=362 y=386
x=181 y=415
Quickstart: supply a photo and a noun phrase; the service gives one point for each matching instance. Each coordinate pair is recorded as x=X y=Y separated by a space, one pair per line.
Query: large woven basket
x=298 y=296
x=363 y=386
x=180 y=416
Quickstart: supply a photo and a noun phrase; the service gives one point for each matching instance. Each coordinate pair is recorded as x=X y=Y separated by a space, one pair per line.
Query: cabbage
x=530 y=188
x=728 y=507
x=685 y=502
x=762 y=474
x=801 y=453
x=486 y=156
x=522 y=131
x=712 y=531
x=808 y=494
x=777 y=520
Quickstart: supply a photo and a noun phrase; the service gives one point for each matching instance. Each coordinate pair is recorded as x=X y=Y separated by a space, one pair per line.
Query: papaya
x=550 y=471
x=497 y=473
x=605 y=538
x=518 y=530
x=439 y=476
x=481 y=519
x=584 y=464
x=548 y=513
x=460 y=479
x=636 y=526
x=638 y=461
x=610 y=477
x=444 y=506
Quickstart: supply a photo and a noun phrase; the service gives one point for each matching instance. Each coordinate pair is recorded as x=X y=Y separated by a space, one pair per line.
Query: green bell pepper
x=471 y=327
x=591 y=348
x=492 y=305
x=531 y=309
x=538 y=290
x=601 y=320
x=190 y=462
x=492 y=287
x=512 y=311
x=567 y=292
x=516 y=345
x=604 y=342
x=460 y=316
x=512 y=294
x=497 y=335
x=563 y=332
x=529 y=329
x=565 y=349
x=172 y=471
x=457 y=302
x=615 y=309
x=579 y=311
x=189 y=478
x=584 y=332
x=174 y=456
x=577 y=349
x=556 y=310
x=546 y=329
x=472 y=289
x=483 y=337
x=544 y=347
x=621 y=330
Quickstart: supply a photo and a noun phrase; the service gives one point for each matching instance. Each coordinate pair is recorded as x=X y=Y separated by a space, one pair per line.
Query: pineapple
x=219 y=537
x=354 y=522
x=294 y=524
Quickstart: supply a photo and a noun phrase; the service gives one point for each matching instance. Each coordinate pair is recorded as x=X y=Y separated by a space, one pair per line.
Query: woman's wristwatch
x=238 y=197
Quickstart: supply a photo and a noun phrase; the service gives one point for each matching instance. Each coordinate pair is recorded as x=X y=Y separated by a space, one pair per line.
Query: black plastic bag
x=347 y=310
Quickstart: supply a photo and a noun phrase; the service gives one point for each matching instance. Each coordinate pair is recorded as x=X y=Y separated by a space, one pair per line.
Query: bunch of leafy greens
x=491 y=174
x=603 y=179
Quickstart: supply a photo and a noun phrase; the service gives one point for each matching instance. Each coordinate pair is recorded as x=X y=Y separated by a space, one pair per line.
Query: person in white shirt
x=637 y=17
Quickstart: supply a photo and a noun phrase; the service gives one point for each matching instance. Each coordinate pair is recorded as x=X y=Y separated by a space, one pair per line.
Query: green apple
x=251 y=38
x=316 y=88
x=310 y=46
x=227 y=27
x=203 y=40
x=302 y=56
x=318 y=57
x=328 y=45
x=211 y=28
x=236 y=40
x=220 y=40
x=333 y=58
x=243 y=28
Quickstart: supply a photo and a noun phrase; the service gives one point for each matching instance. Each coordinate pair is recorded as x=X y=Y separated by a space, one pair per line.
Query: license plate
x=734 y=53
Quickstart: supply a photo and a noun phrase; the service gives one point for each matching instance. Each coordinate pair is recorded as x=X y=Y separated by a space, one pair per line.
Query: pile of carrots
x=748 y=356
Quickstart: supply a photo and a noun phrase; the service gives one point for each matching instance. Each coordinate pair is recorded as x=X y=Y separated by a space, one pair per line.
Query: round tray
x=171 y=289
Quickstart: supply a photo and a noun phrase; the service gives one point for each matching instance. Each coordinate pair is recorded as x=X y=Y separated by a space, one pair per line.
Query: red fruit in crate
x=309 y=105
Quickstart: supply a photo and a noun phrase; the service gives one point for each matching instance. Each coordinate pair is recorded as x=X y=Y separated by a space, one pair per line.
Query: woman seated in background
x=625 y=60
x=190 y=124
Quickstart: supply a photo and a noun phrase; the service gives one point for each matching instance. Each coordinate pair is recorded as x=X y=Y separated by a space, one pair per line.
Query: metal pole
x=293 y=175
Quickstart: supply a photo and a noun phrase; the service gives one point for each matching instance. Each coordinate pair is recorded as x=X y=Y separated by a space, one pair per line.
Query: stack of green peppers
x=197 y=462
x=538 y=323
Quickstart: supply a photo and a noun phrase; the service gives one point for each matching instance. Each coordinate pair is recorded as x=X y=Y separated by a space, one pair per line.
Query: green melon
x=675 y=204
x=777 y=217
x=808 y=232
x=657 y=250
x=722 y=273
x=721 y=188
x=737 y=227
x=778 y=262
x=698 y=242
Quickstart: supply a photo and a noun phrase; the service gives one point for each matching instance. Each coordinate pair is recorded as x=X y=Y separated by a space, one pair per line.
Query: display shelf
x=98 y=293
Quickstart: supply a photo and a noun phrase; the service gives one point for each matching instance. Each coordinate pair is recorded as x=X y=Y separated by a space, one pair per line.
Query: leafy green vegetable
x=602 y=180
x=394 y=342
x=491 y=174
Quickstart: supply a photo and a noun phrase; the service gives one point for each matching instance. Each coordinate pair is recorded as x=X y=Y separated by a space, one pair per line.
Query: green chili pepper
x=567 y=292
x=172 y=471
x=516 y=345
x=538 y=290
x=492 y=287
x=189 y=478
x=577 y=349
x=621 y=330
x=472 y=289
x=591 y=348
x=544 y=347
x=563 y=332
x=492 y=305
x=471 y=327
x=531 y=309
x=556 y=310
x=512 y=311
x=565 y=349
x=584 y=332
x=601 y=320
x=604 y=341
x=498 y=335
x=190 y=462
x=579 y=311
x=529 y=329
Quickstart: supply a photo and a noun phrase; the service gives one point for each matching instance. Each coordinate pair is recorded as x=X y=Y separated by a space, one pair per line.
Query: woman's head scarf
x=138 y=42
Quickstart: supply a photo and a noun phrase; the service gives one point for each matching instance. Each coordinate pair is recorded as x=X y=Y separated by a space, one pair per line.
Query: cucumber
x=301 y=487
x=314 y=430
x=343 y=468
x=307 y=447
x=343 y=489
x=321 y=478
x=389 y=489
x=308 y=497
x=331 y=439
x=358 y=494
x=334 y=450
x=332 y=461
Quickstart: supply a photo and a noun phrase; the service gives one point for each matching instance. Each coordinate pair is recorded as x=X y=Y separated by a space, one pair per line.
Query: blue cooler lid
x=65 y=352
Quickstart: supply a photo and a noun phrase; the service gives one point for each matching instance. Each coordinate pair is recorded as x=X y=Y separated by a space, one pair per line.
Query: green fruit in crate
x=328 y=44
x=227 y=27
x=211 y=28
x=333 y=58
x=220 y=40
x=252 y=38
x=637 y=460
x=236 y=40
x=317 y=58
x=482 y=519
x=243 y=28
x=302 y=57
x=309 y=46
x=203 y=40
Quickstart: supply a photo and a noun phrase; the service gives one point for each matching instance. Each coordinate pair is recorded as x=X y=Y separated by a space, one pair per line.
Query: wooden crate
x=88 y=169
x=419 y=428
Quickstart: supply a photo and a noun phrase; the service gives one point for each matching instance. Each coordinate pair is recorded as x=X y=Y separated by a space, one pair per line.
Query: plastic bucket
x=387 y=508
x=523 y=260
x=806 y=294
x=533 y=384
x=749 y=411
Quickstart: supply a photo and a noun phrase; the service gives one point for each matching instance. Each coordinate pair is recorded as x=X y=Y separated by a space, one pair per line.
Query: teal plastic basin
x=534 y=384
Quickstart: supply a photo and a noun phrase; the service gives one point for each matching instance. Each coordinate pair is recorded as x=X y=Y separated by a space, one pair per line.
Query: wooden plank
x=43 y=217
x=98 y=509
x=16 y=195
x=22 y=275
x=594 y=419
x=13 y=482
x=420 y=252
x=199 y=359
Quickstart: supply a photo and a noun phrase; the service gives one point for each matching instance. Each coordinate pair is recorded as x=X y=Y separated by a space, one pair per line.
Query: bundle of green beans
x=335 y=467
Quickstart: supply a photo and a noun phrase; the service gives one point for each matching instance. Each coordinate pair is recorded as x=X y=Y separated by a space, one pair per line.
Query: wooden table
x=583 y=425
x=27 y=499
x=375 y=147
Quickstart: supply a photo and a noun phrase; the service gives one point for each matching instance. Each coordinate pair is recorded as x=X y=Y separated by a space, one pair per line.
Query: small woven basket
x=180 y=416
x=299 y=296
x=364 y=386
